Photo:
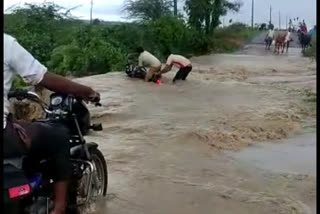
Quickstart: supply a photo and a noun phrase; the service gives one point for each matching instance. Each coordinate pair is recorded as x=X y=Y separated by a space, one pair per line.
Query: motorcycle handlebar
x=21 y=94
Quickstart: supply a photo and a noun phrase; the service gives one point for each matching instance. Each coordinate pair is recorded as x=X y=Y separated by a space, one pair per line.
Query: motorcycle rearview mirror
x=96 y=127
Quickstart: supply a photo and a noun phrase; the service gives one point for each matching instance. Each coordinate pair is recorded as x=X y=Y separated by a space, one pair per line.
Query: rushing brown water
x=165 y=144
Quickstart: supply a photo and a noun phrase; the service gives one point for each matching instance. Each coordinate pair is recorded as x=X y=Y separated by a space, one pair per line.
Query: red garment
x=303 y=29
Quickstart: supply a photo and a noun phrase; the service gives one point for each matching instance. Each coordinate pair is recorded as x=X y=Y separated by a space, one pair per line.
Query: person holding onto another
x=181 y=62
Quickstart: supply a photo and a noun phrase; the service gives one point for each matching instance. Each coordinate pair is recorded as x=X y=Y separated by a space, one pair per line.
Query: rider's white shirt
x=270 y=33
x=18 y=61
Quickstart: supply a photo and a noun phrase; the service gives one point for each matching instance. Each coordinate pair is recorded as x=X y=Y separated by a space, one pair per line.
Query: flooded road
x=168 y=146
x=293 y=155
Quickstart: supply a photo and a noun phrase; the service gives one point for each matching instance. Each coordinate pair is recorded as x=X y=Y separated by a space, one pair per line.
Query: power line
x=279 y=20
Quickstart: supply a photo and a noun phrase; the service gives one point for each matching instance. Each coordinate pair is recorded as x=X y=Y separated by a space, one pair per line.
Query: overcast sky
x=111 y=10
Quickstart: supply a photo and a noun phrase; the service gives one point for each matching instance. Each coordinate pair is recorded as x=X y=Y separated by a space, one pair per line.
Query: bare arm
x=140 y=61
x=63 y=85
x=166 y=69
x=33 y=72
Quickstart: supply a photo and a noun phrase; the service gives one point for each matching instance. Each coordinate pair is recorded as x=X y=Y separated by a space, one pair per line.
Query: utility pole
x=91 y=11
x=286 y=22
x=175 y=7
x=270 y=14
x=279 y=20
x=252 y=13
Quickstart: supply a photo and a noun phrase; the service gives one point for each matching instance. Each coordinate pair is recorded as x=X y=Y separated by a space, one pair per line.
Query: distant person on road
x=270 y=33
x=181 y=62
x=290 y=25
x=149 y=61
x=303 y=27
x=270 y=26
x=269 y=38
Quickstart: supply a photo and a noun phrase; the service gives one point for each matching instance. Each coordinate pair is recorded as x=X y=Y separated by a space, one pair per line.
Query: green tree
x=96 y=22
x=148 y=9
x=36 y=27
x=204 y=14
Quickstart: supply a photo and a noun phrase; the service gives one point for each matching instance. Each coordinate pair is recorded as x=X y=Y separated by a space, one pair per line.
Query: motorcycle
x=31 y=193
x=140 y=72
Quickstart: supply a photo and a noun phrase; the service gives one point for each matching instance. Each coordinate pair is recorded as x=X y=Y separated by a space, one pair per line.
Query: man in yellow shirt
x=148 y=60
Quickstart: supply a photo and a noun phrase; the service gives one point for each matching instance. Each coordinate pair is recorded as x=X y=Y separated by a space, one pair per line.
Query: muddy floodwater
x=293 y=155
x=238 y=136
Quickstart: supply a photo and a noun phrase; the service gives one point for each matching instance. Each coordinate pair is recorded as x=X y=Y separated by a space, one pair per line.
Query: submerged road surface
x=167 y=146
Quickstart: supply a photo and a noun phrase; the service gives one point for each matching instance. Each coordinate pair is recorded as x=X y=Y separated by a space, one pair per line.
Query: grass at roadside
x=312 y=50
x=228 y=40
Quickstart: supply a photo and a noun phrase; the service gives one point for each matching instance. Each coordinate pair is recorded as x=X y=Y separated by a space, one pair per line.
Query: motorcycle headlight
x=56 y=101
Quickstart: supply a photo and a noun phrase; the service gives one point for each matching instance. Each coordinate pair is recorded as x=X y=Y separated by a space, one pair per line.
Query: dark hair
x=139 y=50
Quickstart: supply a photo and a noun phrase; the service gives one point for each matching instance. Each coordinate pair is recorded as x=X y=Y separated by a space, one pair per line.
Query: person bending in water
x=181 y=62
x=151 y=62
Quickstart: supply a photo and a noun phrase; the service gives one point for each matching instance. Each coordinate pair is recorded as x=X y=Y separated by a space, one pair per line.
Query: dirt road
x=172 y=149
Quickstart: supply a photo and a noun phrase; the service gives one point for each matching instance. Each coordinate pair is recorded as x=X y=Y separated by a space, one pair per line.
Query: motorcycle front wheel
x=100 y=177
x=98 y=185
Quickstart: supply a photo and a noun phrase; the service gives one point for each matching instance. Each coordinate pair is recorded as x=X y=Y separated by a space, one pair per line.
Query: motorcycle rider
x=269 y=37
x=39 y=140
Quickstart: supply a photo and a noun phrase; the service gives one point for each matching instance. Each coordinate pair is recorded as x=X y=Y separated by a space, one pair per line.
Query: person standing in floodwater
x=181 y=62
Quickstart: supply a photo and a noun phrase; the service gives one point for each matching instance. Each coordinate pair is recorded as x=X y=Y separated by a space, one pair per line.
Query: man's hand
x=63 y=85
x=95 y=97
x=166 y=69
